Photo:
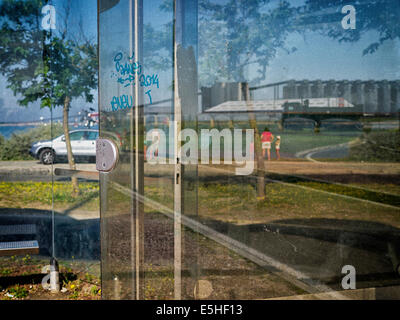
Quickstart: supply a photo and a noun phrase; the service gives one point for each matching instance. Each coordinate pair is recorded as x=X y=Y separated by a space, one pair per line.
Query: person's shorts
x=277 y=147
x=266 y=145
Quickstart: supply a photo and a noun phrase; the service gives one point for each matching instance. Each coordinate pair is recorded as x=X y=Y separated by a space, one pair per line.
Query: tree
x=53 y=67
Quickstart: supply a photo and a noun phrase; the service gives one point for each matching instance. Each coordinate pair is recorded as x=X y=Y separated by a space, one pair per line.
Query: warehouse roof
x=276 y=105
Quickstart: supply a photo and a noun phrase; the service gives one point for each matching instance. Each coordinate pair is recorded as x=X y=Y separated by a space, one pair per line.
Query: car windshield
x=81 y=135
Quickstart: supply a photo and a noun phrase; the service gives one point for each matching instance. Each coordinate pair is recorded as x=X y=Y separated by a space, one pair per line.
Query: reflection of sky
x=326 y=58
x=322 y=58
x=318 y=57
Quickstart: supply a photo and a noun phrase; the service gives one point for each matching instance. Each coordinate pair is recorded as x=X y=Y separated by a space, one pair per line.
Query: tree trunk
x=259 y=159
x=71 y=160
x=257 y=147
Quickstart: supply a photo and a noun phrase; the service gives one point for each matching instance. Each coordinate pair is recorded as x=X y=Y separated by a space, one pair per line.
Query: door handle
x=106 y=155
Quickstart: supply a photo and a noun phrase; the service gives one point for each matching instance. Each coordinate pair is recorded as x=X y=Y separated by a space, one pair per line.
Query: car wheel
x=47 y=156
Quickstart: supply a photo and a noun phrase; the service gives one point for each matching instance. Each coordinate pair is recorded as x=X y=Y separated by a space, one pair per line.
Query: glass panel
x=48 y=70
x=117 y=123
x=317 y=84
x=254 y=139
x=75 y=195
x=158 y=243
x=25 y=184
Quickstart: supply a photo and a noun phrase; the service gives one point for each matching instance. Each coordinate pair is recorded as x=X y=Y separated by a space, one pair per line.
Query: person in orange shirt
x=266 y=140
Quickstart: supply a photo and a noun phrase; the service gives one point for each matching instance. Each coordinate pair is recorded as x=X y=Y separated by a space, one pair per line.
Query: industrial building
x=235 y=100
x=380 y=97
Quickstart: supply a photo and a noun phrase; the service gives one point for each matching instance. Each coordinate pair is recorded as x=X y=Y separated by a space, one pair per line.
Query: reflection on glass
x=48 y=83
x=270 y=148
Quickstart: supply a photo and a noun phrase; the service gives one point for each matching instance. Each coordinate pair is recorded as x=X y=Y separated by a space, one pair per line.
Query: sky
x=316 y=56
x=319 y=58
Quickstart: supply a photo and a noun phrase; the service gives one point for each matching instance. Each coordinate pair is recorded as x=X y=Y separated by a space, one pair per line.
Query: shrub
x=18 y=145
x=377 y=146
x=18 y=292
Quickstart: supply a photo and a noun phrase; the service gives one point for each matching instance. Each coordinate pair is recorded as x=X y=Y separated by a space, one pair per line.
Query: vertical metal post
x=137 y=173
x=178 y=196
x=178 y=164
x=139 y=158
x=136 y=160
x=131 y=148
x=185 y=112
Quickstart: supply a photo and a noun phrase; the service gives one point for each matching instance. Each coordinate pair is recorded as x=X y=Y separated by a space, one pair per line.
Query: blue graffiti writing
x=130 y=67
x=146 y=81
x=122 y=102
x=148 y=93
x=126 y=72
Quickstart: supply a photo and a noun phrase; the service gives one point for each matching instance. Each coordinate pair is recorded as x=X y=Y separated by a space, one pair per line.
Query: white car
x=83 y=144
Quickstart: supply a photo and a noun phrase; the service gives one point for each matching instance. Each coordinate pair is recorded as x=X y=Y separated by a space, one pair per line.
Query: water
x=6 y=132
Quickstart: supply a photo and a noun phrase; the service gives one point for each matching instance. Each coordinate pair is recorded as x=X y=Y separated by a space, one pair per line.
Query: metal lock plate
x=106 y=155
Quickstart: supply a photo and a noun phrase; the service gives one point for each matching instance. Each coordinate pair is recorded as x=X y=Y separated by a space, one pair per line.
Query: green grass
x=381 y=146
x=389 y=188
x=293 y=143
x=5 y=272
x=347 y=190
x=23 y=193
x=79 y=278
x=236 y=202
x=18 y=292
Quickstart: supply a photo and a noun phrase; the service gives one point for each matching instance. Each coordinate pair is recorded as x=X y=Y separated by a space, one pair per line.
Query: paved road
x=31 y=170
x=335 y=152
x=338 y=151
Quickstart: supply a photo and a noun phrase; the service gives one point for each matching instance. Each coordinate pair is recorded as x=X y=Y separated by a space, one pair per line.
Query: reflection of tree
x=237 y=41
x=239 y=34
x=381 y=16
x=53 y=67
x=157 y=46
x=232 y=37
